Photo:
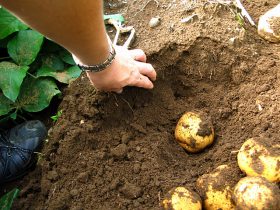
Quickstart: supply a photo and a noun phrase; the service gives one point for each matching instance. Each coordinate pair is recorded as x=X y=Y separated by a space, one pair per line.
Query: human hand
x=129 y=68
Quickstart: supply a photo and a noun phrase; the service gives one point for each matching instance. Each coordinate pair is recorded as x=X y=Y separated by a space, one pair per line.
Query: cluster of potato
x=257 y=158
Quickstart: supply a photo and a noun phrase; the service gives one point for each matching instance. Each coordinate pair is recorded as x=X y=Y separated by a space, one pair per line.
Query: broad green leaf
x=36 y=94
x=67 y=57
x=65 y=76
x=25 y=46
x=9 y=24
x=11 y=78
x=53 y=61
x=7 y=200
x=117 y=17
x=6 y=105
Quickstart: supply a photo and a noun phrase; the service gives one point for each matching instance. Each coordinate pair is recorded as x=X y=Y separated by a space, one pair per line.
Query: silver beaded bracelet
x=98 y=67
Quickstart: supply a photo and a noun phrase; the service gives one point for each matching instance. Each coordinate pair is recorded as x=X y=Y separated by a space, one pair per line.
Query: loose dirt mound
x=112 y=151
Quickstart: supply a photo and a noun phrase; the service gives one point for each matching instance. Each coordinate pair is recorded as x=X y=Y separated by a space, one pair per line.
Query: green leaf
x=67 y=57
x=11 y=78
x=57 y=116
x=240 y=19
x=6 y=105
x=13 y=115
x=36 y=94
x=7 y=200
x=65 y=76
x=117 y=17
x=53 y=61
x=25 y=46
x=9 y=24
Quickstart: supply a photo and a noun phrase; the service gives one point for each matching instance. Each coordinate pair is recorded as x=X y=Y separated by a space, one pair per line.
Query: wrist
x=94 y=51
x=101 y=64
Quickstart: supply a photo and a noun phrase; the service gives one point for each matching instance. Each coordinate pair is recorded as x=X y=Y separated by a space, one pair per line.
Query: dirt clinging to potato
x=110 y=151
x=205 y=126
x=275 y=26
x=258 y=166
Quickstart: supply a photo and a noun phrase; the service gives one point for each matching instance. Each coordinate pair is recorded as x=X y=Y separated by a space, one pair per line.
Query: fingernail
x=119 y=91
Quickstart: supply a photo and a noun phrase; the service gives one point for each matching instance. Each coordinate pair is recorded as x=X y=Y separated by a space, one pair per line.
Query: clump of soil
x=111 y=151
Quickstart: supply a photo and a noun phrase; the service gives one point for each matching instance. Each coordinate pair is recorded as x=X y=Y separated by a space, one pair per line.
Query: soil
x=111 y=151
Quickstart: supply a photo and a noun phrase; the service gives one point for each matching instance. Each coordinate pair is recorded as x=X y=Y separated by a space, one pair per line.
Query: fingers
x=142 y=82
x=138 y=55
x=147 y=70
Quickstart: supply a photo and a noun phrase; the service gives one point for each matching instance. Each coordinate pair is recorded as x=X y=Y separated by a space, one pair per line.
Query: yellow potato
x=194 y=131
x=215 y=189
x=181 y=198
x=256 y=193
x=269 y=25
x=258 y=157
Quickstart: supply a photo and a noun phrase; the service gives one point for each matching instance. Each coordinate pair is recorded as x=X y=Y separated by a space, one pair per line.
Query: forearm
x=76 y=25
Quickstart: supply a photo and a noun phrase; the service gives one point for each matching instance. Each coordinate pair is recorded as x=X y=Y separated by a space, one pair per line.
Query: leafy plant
x=7 y=200
x=57 y=116
x=240 y=19
x=30 y=67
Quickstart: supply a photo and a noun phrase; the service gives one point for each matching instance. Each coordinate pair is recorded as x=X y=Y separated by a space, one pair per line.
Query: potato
x=194 y=131
x=256 y=193
x=259 y=157
x=269 y=25
x=180 y=198
x=216 y=189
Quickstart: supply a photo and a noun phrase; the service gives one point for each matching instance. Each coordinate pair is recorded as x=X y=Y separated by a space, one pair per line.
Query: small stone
x=74 y=192
x=83 y=177
x=50 y=132
x=120 y=151
x=131 y=191
x=233 y=41
x=137 y=168
x=52 y=175
x=138 y=149
x=154 y=22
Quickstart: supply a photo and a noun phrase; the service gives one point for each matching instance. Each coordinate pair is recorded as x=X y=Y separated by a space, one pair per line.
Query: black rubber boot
x=17 y=148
